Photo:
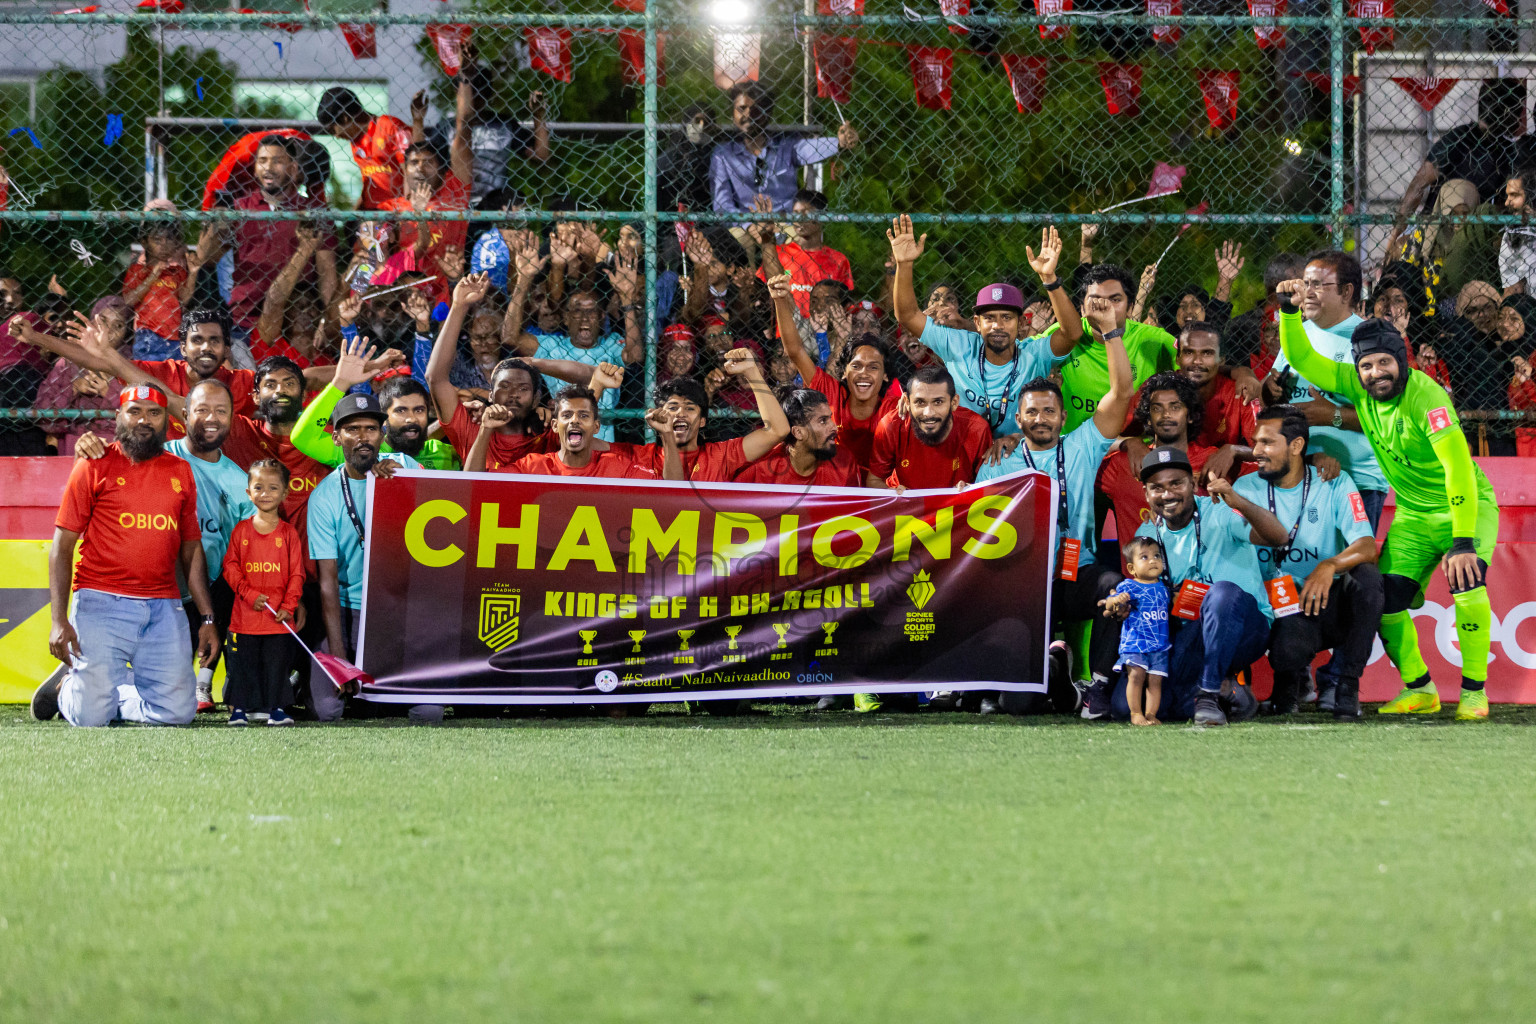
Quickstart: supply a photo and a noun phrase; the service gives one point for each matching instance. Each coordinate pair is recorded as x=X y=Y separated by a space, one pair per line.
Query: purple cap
x=999 y=296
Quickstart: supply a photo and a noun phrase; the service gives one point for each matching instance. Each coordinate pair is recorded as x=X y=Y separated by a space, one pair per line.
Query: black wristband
x=1463 y=546
x=1118 y=332
x=1287 y=305
x=1053 y=285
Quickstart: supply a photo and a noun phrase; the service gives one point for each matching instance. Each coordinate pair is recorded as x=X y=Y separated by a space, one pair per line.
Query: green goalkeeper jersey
x=1416 y=436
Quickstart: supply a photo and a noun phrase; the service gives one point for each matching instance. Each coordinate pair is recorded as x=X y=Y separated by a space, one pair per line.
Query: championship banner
x=504 y=589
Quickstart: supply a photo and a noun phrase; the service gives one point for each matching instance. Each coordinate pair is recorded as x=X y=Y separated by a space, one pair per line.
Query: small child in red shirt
x=157 y=285
x=264 y=566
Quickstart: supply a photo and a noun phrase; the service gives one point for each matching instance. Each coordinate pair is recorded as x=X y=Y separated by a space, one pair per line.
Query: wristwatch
x=208 y=621
x=1338 y=418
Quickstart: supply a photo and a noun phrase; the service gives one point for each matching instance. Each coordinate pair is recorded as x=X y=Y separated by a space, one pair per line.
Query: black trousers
x=1347 y=627
x=256 y=667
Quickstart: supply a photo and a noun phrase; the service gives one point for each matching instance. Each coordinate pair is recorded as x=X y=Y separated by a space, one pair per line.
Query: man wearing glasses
x=755 y=163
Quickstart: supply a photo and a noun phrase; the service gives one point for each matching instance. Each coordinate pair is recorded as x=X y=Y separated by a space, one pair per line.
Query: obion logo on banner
x=1506 y=636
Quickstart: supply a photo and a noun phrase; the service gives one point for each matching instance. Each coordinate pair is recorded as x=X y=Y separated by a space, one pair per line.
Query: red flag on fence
x=1427 y=92
x=955 y=9
x=1026 y=77
x=549 y=50
x=844 y=7
x=1122 y=88
x=1165 y=34
x=834 y=66
x=931 y=71
x=1271 y=35
x=1220 y=91
x=1049 y=9
x=632 y=56
x=362 y=40
x=1497 y=6
x=1373 y=36
x=449 y=42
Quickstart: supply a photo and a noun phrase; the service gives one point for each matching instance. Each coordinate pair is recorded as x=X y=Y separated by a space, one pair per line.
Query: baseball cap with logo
x=999 y=296
x=356 y=405
x=1166 y=457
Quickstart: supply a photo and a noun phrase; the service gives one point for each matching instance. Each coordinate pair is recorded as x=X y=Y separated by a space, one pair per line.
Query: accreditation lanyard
x=1306 y=486
x=1167 y=564
x=347 y=500
x=986 y=392
x=1191 y=593
x=1061 y=480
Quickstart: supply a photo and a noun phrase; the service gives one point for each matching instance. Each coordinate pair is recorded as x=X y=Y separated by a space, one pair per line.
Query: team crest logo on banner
x=920 y=590
x=498 y=618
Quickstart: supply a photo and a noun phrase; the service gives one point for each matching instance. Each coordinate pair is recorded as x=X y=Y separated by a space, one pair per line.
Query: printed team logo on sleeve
x=1357 y=506
x=1439 y=419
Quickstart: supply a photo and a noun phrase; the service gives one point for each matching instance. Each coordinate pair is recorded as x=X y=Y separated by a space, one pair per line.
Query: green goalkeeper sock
x=1474 y=626
x=1401 y=640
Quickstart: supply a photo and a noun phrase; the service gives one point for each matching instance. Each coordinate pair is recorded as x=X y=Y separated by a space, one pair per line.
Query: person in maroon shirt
x=263 y=247
x=940 y=444
x=811 y=456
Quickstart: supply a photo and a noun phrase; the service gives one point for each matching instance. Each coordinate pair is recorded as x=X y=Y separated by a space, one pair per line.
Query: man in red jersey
x=860 y=395
x=806 y=258
x=124 y=637
x=378 y=142
x=1226 y=418
x=811 y=456
x=427 y=188
x=576 y=423
x=940 y=444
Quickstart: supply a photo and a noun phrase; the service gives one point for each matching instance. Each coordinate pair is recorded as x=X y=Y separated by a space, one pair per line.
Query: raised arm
x=905 y=250
x=624 y=275
x=672 y=459
x=567 y=370
x=702 y=255
x=461 y=155
x=492 y=419
x=1339 y=378
x=270 y=327
x=1109 y=417
x=1266 y=528
x=419 y=116
x=1064 y=340
x=789 y=333
x=466 y=294
x=527 y=263
x=741 y=363
x=538 y=110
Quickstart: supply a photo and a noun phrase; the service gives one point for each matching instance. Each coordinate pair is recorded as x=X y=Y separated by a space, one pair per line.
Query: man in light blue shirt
x=337 y=526
x=1078 y=583
x=1328 y=590
x=1220 y=612
x=990 y=364
x=755 y=163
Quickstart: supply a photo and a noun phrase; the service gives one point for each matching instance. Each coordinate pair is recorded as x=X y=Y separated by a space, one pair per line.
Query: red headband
x=140 y=393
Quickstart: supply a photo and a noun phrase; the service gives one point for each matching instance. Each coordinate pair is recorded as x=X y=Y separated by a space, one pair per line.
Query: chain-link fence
x=1167 y=129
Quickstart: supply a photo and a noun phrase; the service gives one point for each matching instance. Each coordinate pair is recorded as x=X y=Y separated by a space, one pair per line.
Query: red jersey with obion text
x=775 y=468
x=381 y=159
x=809 y=267
x=900 y=457
x=257 y=563
x=133 y=518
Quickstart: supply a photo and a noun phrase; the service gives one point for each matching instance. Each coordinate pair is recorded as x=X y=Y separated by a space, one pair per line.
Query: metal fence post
x=1336 y=72
x=652 y=248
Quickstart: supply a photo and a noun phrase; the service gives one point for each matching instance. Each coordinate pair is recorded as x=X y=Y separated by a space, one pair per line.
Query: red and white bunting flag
x=1427 y=92
x=834 y=66
x=1496 y=6
x=1373 y=37
x=955 y=9
x=549 y=50
x=1220 y=91
x=1166 y=180
x=1026 y=77
x=737 y=55
x=1325 y=83
x=1268 y=36
x=1167 y=35
x=931 y=72
x=362 y=40
x=449 y=42
x=632 y=56
x=1050 y=9
x=846 y=8
x=1122 y=88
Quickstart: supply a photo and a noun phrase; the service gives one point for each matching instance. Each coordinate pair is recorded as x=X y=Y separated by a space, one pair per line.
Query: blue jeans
x=135 y=662
x=1231 y=635
x=151 y=347
x=1374 y=502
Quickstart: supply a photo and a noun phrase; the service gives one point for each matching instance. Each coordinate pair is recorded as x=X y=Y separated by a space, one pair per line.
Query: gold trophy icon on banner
x=781 y=628
x=587 y=636
x=682 y=657
x=731 y=632
x=827 y=629
x=683 y=635
x=636 y=635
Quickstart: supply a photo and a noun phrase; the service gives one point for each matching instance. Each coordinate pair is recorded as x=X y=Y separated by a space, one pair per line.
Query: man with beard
x=576 y=423
x=136 y=509
x=406 y=410
x=939 y=445
x=1323 y=583
x=1170 y=407
x=426 y=188
x=336 y=536
x=860 y=395
x=1220 y=611
x=1447 y=513
x=684 y=408
x=1079 y=582
x=1227 y=419
x=990 y=364
x=811 y=456
x=1331 y=287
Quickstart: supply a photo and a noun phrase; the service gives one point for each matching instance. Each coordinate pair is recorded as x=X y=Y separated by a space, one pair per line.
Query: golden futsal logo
x=921 y=590
x=498 y=619
x=176 y=485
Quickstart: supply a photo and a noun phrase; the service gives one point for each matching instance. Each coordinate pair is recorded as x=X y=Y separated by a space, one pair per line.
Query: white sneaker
x=204 y=697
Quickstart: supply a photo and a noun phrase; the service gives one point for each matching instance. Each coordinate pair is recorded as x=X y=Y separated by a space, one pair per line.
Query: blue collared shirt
x=736 y=177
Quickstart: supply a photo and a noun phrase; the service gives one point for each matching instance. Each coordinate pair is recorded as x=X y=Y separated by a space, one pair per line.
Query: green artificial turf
x=784 y=867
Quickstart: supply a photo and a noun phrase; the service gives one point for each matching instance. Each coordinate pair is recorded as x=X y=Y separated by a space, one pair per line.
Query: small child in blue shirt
x=1144 y=646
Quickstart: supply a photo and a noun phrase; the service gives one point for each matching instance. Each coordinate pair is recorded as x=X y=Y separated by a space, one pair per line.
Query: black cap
x=1166 y=457
x=356 y=405
x=1378 y=335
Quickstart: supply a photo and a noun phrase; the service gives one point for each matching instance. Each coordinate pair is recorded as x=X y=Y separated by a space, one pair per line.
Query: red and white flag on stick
x=549 y=51
x=1166 y=35
x=1427 y=92
x=834 y=66
x=1122 y=88
x=1268 y=36
x=362 y=40
x=1050 y=9
x=449 y=42
x=931 y=72
x=340 y=671
x=1166 y=180
x=1026 y=77
x=1219 y=88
